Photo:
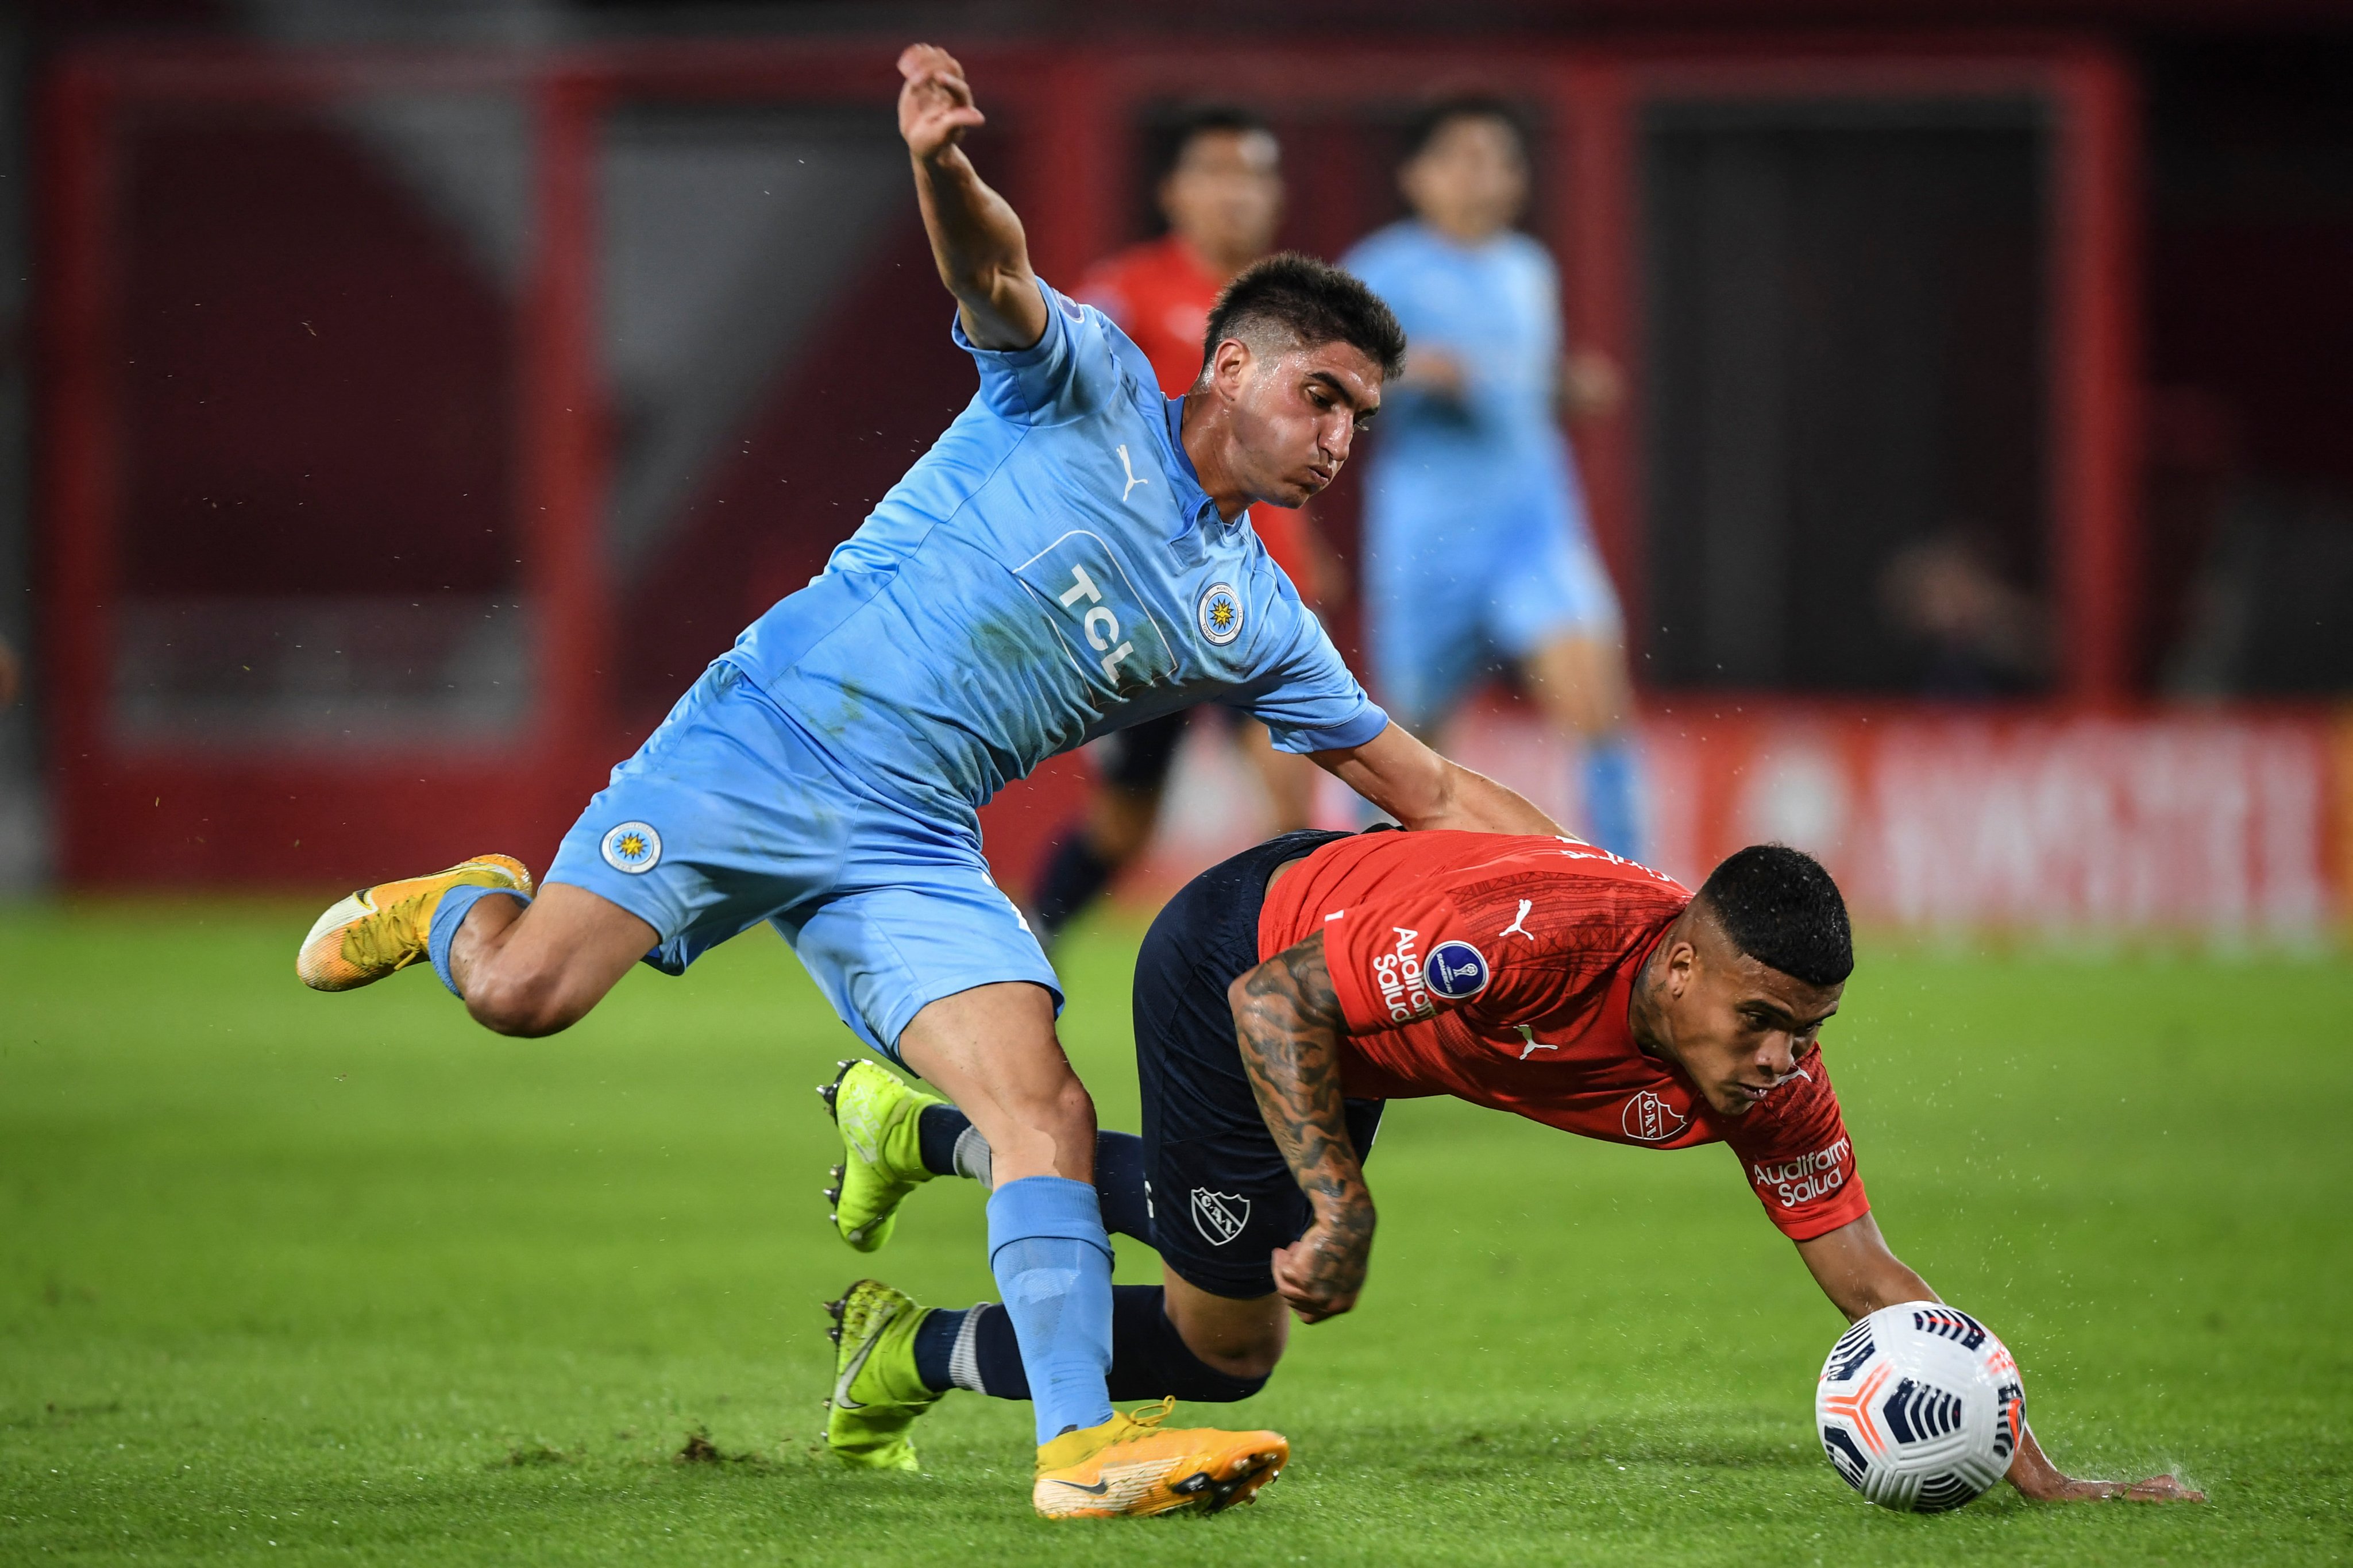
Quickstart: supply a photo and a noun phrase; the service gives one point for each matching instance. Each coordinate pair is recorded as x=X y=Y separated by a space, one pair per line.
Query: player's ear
x=1683 y=965
x=1230 y=367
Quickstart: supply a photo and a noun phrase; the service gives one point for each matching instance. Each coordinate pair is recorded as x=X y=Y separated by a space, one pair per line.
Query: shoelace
x=379 y=941
x=1152 y=1421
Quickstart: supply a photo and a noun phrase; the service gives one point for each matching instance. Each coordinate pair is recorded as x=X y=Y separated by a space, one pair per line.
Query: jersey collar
x=1193 y=507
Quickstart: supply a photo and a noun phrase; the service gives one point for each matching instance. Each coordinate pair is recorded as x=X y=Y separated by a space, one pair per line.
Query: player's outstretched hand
x=1320 y=1275
x=2036 y=1477
x=935 y=107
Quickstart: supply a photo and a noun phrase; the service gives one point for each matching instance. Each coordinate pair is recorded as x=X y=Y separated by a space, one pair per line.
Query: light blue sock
x=1053 y=1263
x=447 y=915
x=1613 y=807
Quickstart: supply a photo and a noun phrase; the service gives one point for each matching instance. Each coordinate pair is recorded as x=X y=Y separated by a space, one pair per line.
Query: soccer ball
x=1920 y=1407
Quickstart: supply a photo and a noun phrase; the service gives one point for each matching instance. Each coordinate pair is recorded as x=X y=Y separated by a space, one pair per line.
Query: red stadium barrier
x=2229 y=826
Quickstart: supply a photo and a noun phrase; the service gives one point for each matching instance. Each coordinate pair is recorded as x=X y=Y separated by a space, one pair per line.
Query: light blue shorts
x=1442 y=618
x=730 y=815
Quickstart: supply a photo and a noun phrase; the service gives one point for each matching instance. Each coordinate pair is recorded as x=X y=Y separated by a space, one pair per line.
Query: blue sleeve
x=1071 y=372
x=1304 y=693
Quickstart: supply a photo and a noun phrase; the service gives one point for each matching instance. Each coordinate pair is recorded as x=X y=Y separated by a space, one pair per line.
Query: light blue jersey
x=1475 y=540
x=1049 y=570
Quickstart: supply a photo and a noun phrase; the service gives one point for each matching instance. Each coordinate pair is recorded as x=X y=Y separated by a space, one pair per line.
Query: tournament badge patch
x=1456 y=971
x=1220 y=1216
x=1219 y=614
x=634 y=847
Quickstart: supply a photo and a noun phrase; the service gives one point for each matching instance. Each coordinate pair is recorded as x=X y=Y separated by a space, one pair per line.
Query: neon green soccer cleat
x=881 y=1154
x=877 y=1393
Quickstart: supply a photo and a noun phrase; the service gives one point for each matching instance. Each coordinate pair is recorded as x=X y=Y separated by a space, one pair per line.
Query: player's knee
x=1237 y=1365
x=527 y=1003
x=1068 y=1113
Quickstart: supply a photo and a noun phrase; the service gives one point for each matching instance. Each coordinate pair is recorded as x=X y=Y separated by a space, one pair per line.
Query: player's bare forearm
x=1422 y=790
x=1858 y=1272
x=1288 y=1023
x=977 y=238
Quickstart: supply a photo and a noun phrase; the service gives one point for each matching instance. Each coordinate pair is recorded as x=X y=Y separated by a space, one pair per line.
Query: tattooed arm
x=1288 y=1020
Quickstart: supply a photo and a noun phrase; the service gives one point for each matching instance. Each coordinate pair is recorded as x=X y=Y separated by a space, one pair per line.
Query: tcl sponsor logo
x=1807 y=1177
x=1398 y=975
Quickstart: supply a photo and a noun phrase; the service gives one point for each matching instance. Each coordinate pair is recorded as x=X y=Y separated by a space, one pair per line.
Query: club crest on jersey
x=1649 y=1118
x=1456 y=971
x=1219 y=614
x=634 y=847
x=1220 y=1216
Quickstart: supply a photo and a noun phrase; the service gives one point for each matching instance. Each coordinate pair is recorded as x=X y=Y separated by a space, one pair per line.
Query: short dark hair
x=1313 y=302
x=1213 y=119
x=1437 y=116
x=1780 y=907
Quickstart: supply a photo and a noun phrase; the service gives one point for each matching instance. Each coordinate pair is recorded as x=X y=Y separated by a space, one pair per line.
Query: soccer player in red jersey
x=1283 y=996
x=1222 y=197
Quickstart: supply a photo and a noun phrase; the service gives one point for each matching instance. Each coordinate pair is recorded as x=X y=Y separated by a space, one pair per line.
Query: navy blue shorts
x=1222 y=1199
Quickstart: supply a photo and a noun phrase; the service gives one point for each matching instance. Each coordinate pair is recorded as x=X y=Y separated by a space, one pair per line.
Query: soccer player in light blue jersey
x=1475 y=542
x=1074 y=555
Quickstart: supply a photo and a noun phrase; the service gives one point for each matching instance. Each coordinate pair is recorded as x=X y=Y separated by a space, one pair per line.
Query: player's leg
x=703 y=831
x=1558 y=619
x=1117 y=825
x=895 y=1359
x=1428 y=642
x=895 y=1137
x=1214 y=1329
x=929 y=963
x=534 y=969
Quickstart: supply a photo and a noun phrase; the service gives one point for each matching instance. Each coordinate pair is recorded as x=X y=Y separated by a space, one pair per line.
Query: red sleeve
x=1409 y=953
x=1796 y=1153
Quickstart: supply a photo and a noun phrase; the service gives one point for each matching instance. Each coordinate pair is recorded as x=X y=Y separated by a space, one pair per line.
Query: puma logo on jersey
x=1519 y=922
x=1528 y=1037
x=1133 y=478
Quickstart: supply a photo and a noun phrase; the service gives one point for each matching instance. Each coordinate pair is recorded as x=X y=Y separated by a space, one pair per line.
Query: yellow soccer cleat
x=1133 y=1465
x=378 y=930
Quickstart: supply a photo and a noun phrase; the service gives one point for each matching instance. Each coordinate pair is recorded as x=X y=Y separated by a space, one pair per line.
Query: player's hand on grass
x=2040 y=1480
x=935 y=107
x=1320 y=1275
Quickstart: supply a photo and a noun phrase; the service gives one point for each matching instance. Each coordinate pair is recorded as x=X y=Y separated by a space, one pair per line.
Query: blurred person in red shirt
x=1222 y=196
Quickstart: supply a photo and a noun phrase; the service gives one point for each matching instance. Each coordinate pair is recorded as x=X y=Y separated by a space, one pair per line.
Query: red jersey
x=1500 y=969
x=1160 y=295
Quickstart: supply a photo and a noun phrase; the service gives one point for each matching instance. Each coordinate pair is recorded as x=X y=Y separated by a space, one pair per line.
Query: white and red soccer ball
x=1920 y=1407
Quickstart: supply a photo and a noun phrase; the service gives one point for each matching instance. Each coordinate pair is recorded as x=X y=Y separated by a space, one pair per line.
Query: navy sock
x=935 y=1339
x=936 y=1131
x=1073 y=875
x=1119 y=1168
x=1149 y=1359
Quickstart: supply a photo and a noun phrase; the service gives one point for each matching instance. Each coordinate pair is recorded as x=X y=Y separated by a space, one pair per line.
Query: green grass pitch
x=347 y=1279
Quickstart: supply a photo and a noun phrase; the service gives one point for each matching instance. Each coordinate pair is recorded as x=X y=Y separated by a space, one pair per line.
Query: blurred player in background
x=1476 y=549
x=1222 y=196
x=1071 y=556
